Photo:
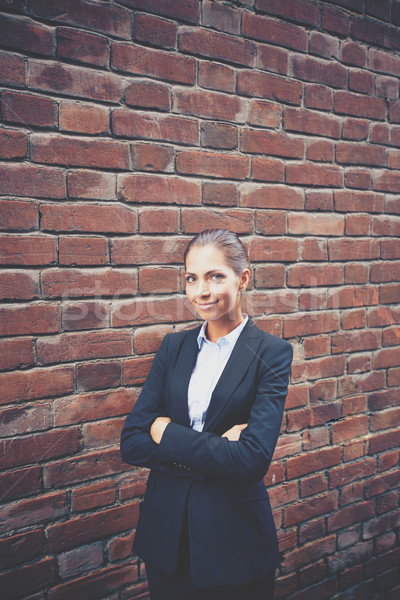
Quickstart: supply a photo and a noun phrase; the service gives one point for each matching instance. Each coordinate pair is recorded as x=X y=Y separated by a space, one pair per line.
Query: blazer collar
x=242 y=354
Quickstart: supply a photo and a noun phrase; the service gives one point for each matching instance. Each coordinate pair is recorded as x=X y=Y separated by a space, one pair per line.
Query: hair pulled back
x=228 y=242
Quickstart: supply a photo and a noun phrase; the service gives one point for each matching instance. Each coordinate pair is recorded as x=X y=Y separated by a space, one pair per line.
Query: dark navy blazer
x=219 y=483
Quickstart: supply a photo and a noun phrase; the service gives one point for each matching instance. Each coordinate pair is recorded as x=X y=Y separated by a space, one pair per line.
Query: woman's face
x=212 y=286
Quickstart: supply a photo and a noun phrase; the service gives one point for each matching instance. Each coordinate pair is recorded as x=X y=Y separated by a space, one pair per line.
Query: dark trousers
x=180 y=586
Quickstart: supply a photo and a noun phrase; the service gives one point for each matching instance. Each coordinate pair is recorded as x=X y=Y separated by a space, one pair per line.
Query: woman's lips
x=207 y=305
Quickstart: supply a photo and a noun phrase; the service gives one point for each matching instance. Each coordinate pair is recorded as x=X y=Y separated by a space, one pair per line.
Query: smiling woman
x=206 y=423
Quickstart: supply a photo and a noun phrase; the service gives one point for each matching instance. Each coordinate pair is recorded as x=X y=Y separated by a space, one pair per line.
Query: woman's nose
x=203 y=289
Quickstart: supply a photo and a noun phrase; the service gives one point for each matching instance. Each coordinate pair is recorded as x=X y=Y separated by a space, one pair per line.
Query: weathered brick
x=361 y=81
x=143 y=311
x=92 y=406
x=315 y=224
x=310 y=324
x=155 y=31
x=218 y=135
x=306 y=121
x=82 y=251
x=158 y=280
x=38 y=448
x=213 y=105
x=20 y=33
x=277 y=196
x=270 y=222
x=216 y=45
x=13 y=144
x=264 y=114
x=188 y=11
x=170 y=128
x=316 y=70
x=74 y=81
x=264 y=85
x=354 y=53
x=91 y=185
x=311 y=275
x=90 y=218
x=98 y=376
x=272 y=58
x=272 y=250
x=80 y=560
x=320 y=150
x=107 y=580
x=161 y=220
x=215 y=76
x=22 y=320
x=357 y=105
x=148 y=94
x=311 y=174
x=380 y=34
x=152 y=188
x=82 y=47
x=355 y=129
x=350 y=249
x=237 y=220
x=269 y=276
x=324 y=45
x=29 y=109
x=18 y=215
x=20 y=483
x=150 y=62
x=212 y=164
x=30 y=578
x=83 y=118
x=358 y=201
x=32 y=180
x=22 y=548
x=311 y=508
x=221 y=17
x=76 y=316
x=360 y=154
x=265 y=169
x=220 y=194
x=106 y=432
x=318 y=96
x=27 y=250
x=276 y=32
x=12 y=69
x=25 y=419
x=93 y=496
x=271 y=142
x=70 y=151
x=75 y=283
x=16 y=353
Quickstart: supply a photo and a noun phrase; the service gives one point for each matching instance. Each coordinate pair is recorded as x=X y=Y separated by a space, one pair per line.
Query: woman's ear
x=244 y=279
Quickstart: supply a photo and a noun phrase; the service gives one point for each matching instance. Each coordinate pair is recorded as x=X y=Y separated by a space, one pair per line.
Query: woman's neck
x=216 y=329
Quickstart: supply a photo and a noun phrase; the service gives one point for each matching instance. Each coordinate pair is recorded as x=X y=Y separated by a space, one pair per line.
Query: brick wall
x=127 y=126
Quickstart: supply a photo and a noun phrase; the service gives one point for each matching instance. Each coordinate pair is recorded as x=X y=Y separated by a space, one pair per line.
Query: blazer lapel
x=243 y=353
x=183 y=370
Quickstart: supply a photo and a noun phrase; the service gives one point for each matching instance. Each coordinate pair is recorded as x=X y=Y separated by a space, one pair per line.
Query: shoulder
x=175 y=339
x=270 y=343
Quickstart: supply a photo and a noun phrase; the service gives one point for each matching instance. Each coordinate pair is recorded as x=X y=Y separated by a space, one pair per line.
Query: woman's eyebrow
x=208 y=272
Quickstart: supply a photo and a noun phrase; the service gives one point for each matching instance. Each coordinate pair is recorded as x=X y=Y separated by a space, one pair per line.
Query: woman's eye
x=189 y=279
x=216 y=276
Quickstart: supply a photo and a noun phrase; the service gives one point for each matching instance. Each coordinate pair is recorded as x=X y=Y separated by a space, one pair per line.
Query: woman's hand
x=233 y=434
x=158 y=427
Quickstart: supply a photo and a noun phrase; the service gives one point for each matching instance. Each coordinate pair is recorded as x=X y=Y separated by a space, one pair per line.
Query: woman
x=206 y=424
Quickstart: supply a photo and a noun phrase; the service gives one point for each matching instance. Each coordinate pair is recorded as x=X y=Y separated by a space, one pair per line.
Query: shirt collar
x=230 y=338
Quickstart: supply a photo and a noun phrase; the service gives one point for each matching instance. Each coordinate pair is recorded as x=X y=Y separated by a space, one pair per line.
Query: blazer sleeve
x=137 y=445
x=249 y=458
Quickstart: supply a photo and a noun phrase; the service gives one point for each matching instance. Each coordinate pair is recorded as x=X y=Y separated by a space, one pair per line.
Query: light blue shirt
x=210 y=363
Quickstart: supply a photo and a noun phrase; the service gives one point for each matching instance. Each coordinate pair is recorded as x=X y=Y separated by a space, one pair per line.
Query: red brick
x=158 y=220
x=27 y=250
x=352 y=296
x=313 y=249
x=91 y=185
x=170 y=128
x=383 y=316
x=26 y=419
x=219 y=46
x=264 y=85
x=107 y=580
x=32 y=180
x=13 y=144
x=353 y=53
x=374 y=32
x=264 y=114
x=319 y=505
x=75 y=250
x=18 y=215
x=361 y=382
x=393 y=159
x=188 y=11
x=389 y=294
x=353 y=249
x=388 y=87
x=93 y=496
x=354 y=405
x=310 y=174
x=312 y=485
x=220 y=194
x=145 y=311
x=20 y=33
x=82 y=346
x=357 y=224
x=360 y=363
x=91 y=218
x=357 y=178
x=16 y=353
x=84 y=315
x=323 y=391
x=39 y=448
x=120 y=547
x=278 y=196
x=147 y=250
x=360 y=154
x=324 y=45
x=283 y=494
x=386 y=226
x=21 y=483
x=36 y=318
x=328 y=366
x=106 y=432
x=136 y=370
x=135 y=187
x=357 y=105
x=380 y=133
x=310 y=324
x=98 y=376
x=93 y=406
x=381 y=10
x=22 y=548
x=80 y=560
x=354 y=426
x=70 y=151
x=78 y=531
x=386 y=181
x=347 y=201
x=307 y=121
x=83 y=118
x=114 y=20
x=315 y=224
x=18 y=285
x=347 y=516
x=12 y=69
x=237 y=220
x=155 y=31
x=82 y=47
x=313 y=299
x=218 y=135
x=148 y=94
x=269 y=276
x=317 y=346
x=212 y=105
x=394 y=112
x=276 y=32
x=70 y=283
x=150 y=62
x=385 y=419
x=313 y=461
x=272 y=58
x=213 y=164
x=320 y=150
x=148 y=339
x=265 y=169
x=216 y=77
x=264 y=249
x=312 y=69
x=355 y=129
x=270 y=222
x=29 y=579
x=158 y=280
x=317 y=96
x=274 y=301
x=74 y=81
x=271 y=142
x=380 y=442
x=361 y=81
x=221 y=17
x=319 y=200
x=309 y=554
x=353 y=319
